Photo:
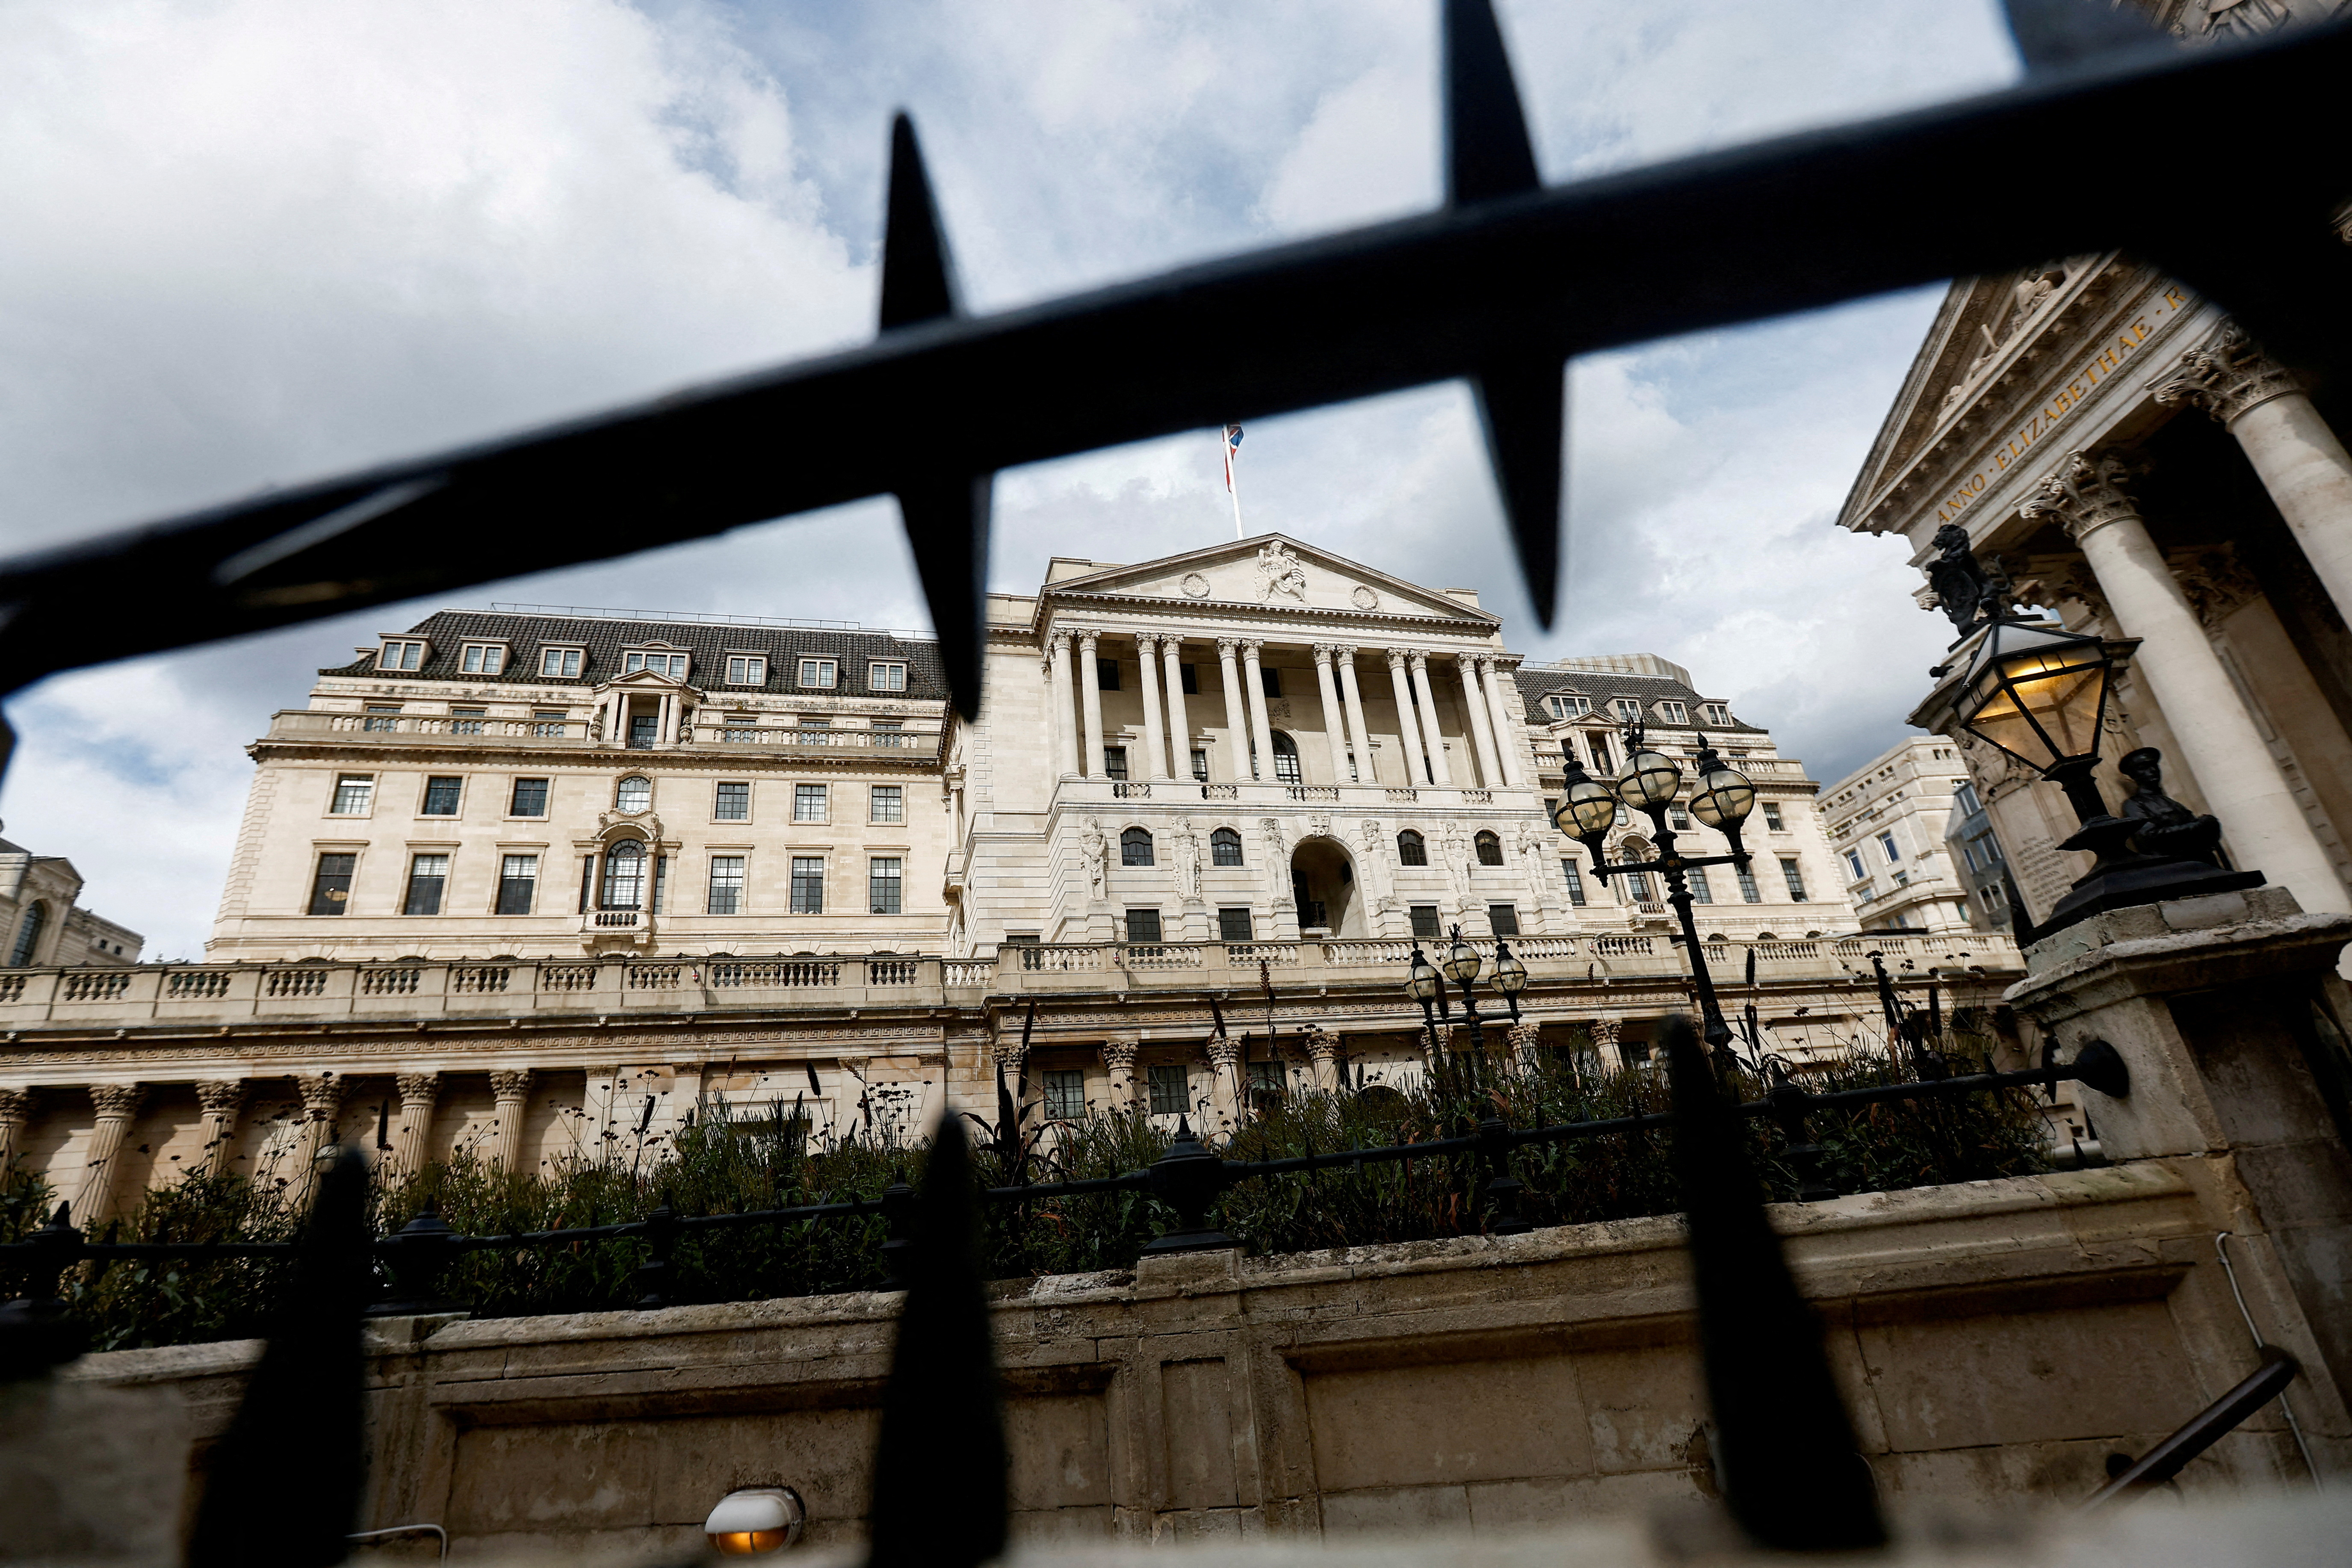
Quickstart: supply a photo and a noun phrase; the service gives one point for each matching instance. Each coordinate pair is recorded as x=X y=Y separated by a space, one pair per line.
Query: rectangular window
x=467 y=721
x=1673 y=712
x=1854 y=866
x=1107 y=675
x=1985 y=845
x=1700 y=892
x=1575 y=880
x=1170 y=1094
x=1503 y=920
x=427 y=875
x=1597 y=745
x=483 y=658
x=743 y=669
x=822 y=673
x=401 y=656
x=1143 y=925
x=669 y=664
x=808 y=802
x=1678 y=819
x=1188 y=679
x=1886 y=844
x=529 y=798
x=547 y=723
x=331 y=890
x=381 y=718
x=1795 y=877
x=882 y=884
x=1627 y=710
x=442 y=793
x=1749 y=892
x=1638 y=884
x=1201 y=764
x=808 y=885
x=1065 y=1095
x=1964 y=798
x=886 y=676
x=1715 y=713
x=725 y=885
x=886 y=802
x=890 y=733
x=354 y=792
x=1269 y=680
x=1561 y=705
x=1424 y=922
x=661 y=885
x=561 y=662
x=1266 y=1081
x=1234 y=925
x=1115 y=762
x=1772 y=815
x=518 y=883
x=730 y=800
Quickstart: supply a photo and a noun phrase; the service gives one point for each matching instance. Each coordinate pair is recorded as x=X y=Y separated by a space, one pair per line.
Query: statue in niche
x=1188 y=859
x=1096 y=851
x=1962 y=585
x=2167 y=827
x=1278 y=572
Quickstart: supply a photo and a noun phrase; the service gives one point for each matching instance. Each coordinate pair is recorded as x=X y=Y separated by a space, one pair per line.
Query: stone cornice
x=737 y=760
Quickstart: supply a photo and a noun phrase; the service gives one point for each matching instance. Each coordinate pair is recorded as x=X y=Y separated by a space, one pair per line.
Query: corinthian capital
x=221 y=1097
x=2226 y=375
x=1147 y=643
x=1397 y=657
x=2085 y=495
x=1325 y=652
x=422 y=1088
x=1606 y=1031
x=1228 y=647
x=117 y=1101
x=322 y=1096
x=1323 y=1045
x=1225 y=1054
x=1119 y=1056
x=509 y=1083
x=15 y=1105
x=1089 y=640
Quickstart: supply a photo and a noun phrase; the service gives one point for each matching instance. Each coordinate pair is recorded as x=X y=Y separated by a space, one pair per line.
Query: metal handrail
x=2207 y=1427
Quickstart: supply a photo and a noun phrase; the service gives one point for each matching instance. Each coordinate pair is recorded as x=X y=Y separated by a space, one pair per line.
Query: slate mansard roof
x=1601 y=686
x=604 y=640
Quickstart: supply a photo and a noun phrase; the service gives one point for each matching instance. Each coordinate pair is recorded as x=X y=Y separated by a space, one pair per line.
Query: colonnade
x=1485 y=690
x=2213 y=728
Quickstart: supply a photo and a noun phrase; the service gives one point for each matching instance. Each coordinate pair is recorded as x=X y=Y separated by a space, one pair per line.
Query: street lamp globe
x=1511 y=974
x=1462 y=960
x=2039 y=692
x=1725 y=795
x=1420 y=979
x=1650 y=781
x=1586 y=808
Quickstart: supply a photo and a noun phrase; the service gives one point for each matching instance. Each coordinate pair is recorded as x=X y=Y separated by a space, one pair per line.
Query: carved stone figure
x=1187 y=846
x=1278 y=572
x=2168 y=827
x=1096 y=851
x=1961 y=584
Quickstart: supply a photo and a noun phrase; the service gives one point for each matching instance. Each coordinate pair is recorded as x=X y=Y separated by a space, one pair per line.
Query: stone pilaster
x=1226 y=1091
x=1118 y=1060
x=1606 y=1034
x=322 y=1101
x=1527 y=1043
x=118 y=1107
x=1323 y=1050
x=16 y=1111
x=511 y=1091
x=420 y=1092
x=221 y=1102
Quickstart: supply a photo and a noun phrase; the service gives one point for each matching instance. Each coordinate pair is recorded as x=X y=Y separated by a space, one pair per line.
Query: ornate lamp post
x=1425 y=982
x=2039 y=693
x=1650 y=785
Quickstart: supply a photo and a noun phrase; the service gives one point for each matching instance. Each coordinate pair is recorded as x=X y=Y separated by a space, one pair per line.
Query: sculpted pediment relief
x=1274 y=571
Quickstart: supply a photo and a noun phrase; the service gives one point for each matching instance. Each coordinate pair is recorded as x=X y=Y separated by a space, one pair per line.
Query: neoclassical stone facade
x=1238 y=783
x=2142 y=469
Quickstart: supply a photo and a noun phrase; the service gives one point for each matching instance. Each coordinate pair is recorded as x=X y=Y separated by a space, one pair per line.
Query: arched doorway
x=1323 y=883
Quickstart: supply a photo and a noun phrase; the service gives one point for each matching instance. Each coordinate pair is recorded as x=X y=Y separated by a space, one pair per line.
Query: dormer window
x=1567 y=705
x=821 y=673
x=483 y=658
x=1673 y=712
x=670 y=664
x=746 y=670
x=881 y=677
x=1715 y=713
x=400 y=654
x=560 y=662
x=1628 y=712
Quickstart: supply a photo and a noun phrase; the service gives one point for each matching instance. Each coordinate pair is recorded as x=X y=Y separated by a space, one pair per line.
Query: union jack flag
x=1233 y=450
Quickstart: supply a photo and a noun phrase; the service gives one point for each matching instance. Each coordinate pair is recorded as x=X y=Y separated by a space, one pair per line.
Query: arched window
x=624 y=874
x=1225 y=847
x=636 y=793
x=1135 y=848
x=1490 y=849
x=1285 y=758
x=1411 y=850
x=29 y=935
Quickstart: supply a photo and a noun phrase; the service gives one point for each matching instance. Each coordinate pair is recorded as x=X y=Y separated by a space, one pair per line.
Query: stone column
x=322 y=1099
x=1088 y=641
x=1119 y=1061
x=2298 y=457
x=1061 y=699
x=1527 y=1043
x=1225 y=1086
x=1432 y=738
x=1416 y=765
x=1179 y=727
x=1155 y=738
x=510 y=1089
x=1605 y=1035
x=1482 y=734
x=420 y=1092
x=2217 y=737
x=1254 y=688
x=1352 y=699
x=118 y=1108
x=220 y=1102
x=16 y=1111
x=1323 y=1050
x=1335 y=731
x=1502 y=706
x=1237 y=768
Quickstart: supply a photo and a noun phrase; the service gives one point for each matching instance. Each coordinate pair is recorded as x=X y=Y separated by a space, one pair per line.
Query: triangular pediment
x=644 y=680
x=1273 y=570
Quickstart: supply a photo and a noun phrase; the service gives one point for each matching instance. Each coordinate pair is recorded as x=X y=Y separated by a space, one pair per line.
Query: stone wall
x=1996 y=1341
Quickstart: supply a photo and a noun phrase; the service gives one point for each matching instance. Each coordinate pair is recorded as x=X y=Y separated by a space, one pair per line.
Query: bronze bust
x=2165 y=827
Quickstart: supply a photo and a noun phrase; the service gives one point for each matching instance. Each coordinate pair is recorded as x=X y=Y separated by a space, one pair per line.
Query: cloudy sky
x=255 y=241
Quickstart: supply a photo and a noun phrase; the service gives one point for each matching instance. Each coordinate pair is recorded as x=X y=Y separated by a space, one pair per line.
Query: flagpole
x=1233 y=481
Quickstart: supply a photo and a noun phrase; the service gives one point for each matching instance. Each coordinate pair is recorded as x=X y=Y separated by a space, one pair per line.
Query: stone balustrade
x=1372 y=799
x=412 y=729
